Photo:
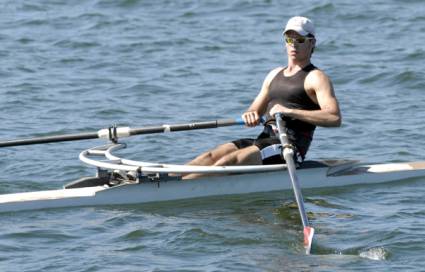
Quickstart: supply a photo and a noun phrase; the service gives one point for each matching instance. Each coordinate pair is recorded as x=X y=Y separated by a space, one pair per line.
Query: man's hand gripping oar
x=288 y=155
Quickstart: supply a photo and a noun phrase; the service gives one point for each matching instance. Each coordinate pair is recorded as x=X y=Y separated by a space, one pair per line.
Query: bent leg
x=211 y=157
x=246 y=156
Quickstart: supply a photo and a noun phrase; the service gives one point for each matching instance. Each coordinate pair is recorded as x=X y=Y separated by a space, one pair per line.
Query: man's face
x=298 y=47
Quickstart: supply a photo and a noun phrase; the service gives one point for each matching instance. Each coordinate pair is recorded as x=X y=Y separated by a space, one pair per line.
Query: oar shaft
x=49 y=139
x=288 y=154
x=188 y=126
x=121 y=132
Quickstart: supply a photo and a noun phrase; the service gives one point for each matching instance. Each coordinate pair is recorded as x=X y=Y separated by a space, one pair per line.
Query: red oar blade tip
x=308 y=238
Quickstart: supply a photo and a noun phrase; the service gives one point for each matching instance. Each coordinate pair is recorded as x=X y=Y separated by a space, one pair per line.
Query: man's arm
x=258 y=107
x=321 y=92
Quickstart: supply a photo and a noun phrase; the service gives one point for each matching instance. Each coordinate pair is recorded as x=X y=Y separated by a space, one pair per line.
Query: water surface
x=77 y=66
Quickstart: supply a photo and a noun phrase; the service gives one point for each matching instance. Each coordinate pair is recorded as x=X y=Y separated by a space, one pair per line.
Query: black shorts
x=270 y=147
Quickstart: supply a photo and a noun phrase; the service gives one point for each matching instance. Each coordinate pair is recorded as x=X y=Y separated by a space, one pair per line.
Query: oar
x=288 y=154
x=113 y=133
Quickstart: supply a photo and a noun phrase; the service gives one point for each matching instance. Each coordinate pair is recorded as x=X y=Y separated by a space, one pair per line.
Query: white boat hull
x=146 y=192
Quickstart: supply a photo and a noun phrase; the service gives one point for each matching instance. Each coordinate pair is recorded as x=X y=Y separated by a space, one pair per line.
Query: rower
x=300 y=91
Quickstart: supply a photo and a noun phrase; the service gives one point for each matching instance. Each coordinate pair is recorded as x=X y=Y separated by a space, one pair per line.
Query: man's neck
x=295 y=66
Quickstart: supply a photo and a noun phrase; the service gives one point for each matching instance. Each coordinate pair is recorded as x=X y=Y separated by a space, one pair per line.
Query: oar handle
x=114 y=133
x=281 y=127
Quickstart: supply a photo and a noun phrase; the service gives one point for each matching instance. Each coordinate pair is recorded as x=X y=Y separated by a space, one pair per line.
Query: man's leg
x=211 y=157
x=246 y=156
x=250 y=155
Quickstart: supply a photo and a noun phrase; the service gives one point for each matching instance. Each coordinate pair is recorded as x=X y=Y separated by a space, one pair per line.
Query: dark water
x=74 y=66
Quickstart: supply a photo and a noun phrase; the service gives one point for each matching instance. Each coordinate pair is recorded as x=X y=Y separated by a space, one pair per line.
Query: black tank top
x=290 y=92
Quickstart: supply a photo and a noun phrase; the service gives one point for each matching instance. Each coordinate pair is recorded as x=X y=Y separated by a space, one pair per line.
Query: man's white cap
x=301 y=25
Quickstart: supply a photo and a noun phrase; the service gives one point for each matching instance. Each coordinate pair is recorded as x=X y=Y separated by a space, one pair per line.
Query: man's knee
x=226 y=148
x=218 y=153
x=207 y=156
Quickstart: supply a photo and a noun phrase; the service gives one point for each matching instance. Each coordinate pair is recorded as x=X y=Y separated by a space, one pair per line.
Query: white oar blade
x=308 y=238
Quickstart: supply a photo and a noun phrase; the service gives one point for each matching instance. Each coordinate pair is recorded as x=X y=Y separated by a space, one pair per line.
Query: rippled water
x=74 y=66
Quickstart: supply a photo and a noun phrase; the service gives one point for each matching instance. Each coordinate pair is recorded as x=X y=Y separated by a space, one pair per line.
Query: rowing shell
x=154 y=188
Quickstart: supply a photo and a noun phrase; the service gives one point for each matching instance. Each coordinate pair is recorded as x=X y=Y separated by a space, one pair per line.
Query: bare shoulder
x=271 y=75
x=317 y=80
x=318 y=76
x=268 y=80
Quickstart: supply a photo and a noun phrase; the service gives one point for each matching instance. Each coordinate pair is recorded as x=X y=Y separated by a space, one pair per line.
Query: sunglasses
x=290 y=40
